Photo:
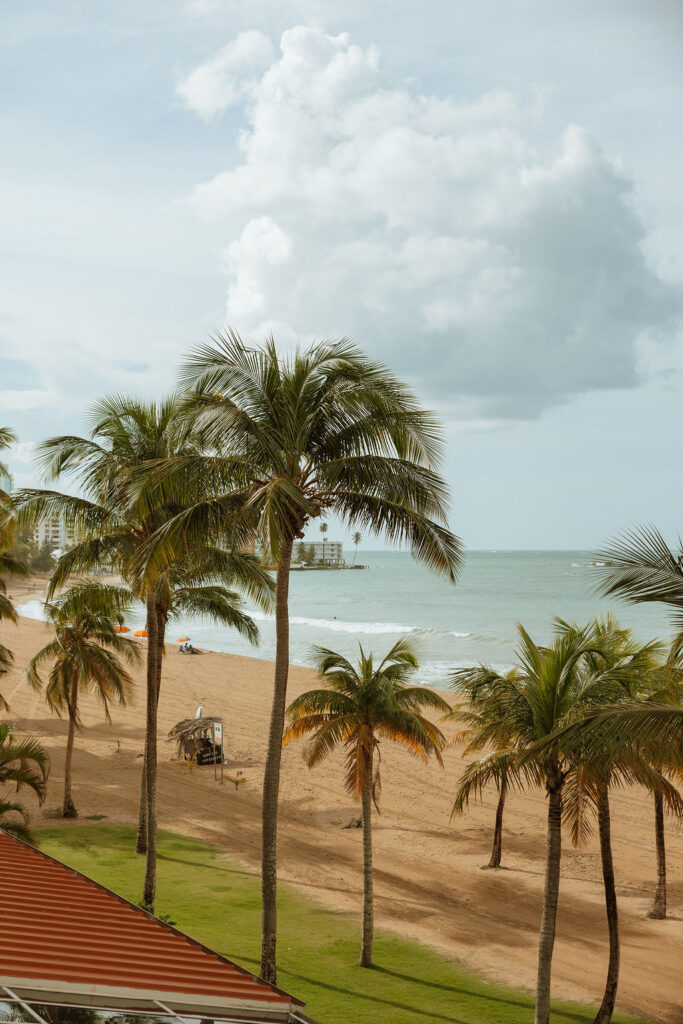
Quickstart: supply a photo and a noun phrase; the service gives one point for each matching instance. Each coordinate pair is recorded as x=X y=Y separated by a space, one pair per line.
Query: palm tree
x=23 y=762
x=361 y=706
x=323 y=530
x=487 y=725
x=357 y=538
x=115 y=519
x=86 y=655
x=654 y=726
x=7 y=438
x=325 y=431
x=549 y=690
x=9 y=565
x=639 y=566
x=627 y=670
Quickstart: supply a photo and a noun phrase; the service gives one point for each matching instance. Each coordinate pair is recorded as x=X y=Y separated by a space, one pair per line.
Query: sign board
x=218 y=731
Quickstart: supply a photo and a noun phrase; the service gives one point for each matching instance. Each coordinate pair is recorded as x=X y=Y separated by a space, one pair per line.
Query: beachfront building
x=71 y=950
x=6 y=482
x=327 y=552
x=54 y=532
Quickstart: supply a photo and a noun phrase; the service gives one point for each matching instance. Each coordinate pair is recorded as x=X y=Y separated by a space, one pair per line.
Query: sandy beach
x=428 y=881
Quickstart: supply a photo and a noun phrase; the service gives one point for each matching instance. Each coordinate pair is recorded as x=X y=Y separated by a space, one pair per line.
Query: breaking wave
x=345 y=626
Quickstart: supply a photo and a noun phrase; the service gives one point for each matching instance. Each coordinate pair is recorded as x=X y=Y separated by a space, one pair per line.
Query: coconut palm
x=627 y=670
x=85 y=656
x=9 y=565
x=7 y=438
x=23 y=762
x=484 y=715
x=360 y=706
x=357 y=538
x=550 y=689
x=325 y=431
x=639 y=566
x=667 y=688
x=113 y=521
x=323 y=530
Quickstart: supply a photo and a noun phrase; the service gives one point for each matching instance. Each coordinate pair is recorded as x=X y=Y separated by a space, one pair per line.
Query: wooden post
x=213 y=738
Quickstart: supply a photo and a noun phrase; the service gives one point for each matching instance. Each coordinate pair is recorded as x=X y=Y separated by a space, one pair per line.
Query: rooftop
x=66 y=939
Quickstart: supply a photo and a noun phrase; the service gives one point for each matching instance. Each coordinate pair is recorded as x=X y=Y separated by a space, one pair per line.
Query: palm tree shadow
x=203 y=864
x=347 y=990
x=559 y=1015
x=488 y=997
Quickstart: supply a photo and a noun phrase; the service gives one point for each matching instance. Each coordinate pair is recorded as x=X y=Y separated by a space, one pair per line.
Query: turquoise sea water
x=473 y=621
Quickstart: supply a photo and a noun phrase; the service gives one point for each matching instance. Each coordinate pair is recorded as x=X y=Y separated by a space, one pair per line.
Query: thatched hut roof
x=190 y=731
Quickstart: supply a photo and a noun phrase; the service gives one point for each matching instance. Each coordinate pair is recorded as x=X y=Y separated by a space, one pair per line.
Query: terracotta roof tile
x=58 y=925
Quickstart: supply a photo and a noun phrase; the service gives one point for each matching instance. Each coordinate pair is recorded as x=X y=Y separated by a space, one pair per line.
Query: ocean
x=473 y=621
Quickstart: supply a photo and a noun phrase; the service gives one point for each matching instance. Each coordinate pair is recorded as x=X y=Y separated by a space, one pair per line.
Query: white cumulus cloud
x=504 y=273
x=227 y=78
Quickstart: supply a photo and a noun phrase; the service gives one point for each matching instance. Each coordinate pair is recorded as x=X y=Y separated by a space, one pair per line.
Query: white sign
x=218 y=731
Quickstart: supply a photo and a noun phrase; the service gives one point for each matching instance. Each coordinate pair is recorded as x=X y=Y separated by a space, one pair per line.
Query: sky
x=485 y=195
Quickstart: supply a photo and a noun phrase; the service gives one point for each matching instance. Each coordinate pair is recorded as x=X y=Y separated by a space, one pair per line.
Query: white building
x=6 y=482
x=54 y=532
x=327 y=552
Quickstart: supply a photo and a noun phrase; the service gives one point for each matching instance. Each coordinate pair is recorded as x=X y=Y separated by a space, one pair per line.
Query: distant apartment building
x=6 y=482
x=54 y=532
x=328 y=552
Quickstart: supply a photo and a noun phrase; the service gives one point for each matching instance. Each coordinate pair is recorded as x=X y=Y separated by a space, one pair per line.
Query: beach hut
x=73 y=951
x=199 y=739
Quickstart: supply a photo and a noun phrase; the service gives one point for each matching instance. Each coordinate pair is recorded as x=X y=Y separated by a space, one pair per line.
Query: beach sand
x=429 y=884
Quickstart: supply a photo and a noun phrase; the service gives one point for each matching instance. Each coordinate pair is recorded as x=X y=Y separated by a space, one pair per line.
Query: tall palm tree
x=325 y=431
x=639 y=566
x=323 y=530
x=484 y=715
x=7 y=438
x=9 y=565
x=86 y=655
x=627 y=671
x=23 y=762
x=360 y=706
x=551 y=688
x=113 y=522
x=357 y=538
x=667 y=688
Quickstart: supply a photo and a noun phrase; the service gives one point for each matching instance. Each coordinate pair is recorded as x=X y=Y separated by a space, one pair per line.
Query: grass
x=217 y=901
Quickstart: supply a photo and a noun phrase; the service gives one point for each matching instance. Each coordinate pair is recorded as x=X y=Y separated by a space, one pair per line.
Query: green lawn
x=215 y=900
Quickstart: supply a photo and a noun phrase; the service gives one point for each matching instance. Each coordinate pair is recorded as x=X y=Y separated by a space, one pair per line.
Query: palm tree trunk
x=69 y=808
x=365 y=959
x=141 y=838
x=658 y=908
x=271 y=778
x=497 y=849
x=550 y=898
x=150 y=763
x=604 y=1014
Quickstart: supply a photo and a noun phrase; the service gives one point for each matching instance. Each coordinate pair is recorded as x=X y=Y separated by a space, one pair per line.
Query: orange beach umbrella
x=182 y=640
x=140 y=632
x=121 y=629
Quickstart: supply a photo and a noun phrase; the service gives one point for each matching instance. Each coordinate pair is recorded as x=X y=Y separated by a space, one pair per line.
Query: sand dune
x=429 y=882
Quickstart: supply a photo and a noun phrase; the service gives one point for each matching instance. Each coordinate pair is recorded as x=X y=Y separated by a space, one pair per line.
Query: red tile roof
x=58 y=925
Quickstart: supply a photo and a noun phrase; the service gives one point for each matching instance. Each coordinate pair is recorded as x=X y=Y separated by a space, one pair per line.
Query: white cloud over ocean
x=505 y=273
